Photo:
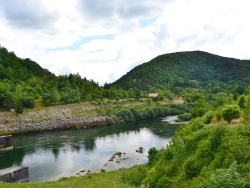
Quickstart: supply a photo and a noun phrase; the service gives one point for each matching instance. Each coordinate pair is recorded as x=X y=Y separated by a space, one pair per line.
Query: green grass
x=105 y=179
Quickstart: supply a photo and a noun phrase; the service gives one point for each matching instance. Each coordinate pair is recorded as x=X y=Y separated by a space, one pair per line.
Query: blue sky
x=102 y=40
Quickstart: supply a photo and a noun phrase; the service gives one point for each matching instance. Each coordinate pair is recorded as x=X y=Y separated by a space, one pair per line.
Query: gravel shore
x=49 y=119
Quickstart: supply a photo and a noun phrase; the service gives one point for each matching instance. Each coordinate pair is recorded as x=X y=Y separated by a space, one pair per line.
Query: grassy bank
x=113 y=179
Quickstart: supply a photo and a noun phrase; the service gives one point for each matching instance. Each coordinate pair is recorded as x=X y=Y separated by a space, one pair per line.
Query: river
x=53 y=155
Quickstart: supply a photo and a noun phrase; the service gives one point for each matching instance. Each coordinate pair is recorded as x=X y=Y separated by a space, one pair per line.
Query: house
x=153 y=95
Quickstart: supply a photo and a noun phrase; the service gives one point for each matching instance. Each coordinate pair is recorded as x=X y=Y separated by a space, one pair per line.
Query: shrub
x=152 y=155
x=209 y=116
x=135 y=176
x=230 y=112
x=28 y=102
x=224 y=178
x=191 y=168
x=110 y=120
x=126 y=115
x=184 y=117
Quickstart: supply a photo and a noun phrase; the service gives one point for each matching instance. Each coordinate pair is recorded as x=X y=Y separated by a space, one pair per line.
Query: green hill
x=16 y=69
x=25 y=81
x=188 y=69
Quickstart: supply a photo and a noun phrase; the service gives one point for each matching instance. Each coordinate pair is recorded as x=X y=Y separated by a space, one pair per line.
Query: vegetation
x=205 y=153
x=196 y=70
x=230 y=112
x=23 y=82
x=99 y=180
x=210 y=152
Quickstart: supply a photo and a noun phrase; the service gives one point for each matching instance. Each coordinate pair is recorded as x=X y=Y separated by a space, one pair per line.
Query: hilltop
x=192 y=69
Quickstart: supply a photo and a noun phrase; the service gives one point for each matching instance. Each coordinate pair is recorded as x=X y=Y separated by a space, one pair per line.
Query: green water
x=52 y=155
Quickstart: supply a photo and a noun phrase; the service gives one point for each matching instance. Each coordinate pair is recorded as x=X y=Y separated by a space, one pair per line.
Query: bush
x=184 y=117
x=28 y=102
x=135 y=176
x=126 y=115
x=191 y=168
x=110 y=120
x=209 y=116
x=152 y=155
x=224 y=178
x=230 y=112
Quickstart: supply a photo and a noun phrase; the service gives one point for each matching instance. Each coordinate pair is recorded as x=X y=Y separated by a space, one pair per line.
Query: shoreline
x=55 y=124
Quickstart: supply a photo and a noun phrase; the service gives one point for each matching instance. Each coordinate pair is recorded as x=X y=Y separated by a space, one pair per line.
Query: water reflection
x=52 y=155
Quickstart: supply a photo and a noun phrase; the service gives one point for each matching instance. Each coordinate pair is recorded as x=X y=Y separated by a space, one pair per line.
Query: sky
x=104 y=39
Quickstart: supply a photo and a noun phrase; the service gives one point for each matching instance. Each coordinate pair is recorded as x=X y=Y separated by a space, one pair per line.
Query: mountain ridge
x=167 y=69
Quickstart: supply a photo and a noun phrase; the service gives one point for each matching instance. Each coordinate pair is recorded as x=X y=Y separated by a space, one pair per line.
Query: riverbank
x=51 y=118
x=110 y=179
x=55 y=124
x=85 y=115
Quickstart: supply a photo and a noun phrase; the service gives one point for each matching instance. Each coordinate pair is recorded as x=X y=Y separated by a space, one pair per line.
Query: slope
x=16 y=69
x=186 y=69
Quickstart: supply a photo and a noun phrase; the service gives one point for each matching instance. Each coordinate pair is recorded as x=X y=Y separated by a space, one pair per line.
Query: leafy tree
x=200 y=108
x=242 y=102
x=55 y=96
x=184 y=117
x=19 y=107
x=28 y=102
x=19 y=110
x=230 y=112
x=8 y=102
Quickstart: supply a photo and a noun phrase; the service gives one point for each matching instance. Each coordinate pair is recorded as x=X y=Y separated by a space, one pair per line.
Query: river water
x=53 y=155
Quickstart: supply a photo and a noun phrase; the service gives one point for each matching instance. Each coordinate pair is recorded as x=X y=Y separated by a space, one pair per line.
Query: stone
x=15 y=174
x=6 y=143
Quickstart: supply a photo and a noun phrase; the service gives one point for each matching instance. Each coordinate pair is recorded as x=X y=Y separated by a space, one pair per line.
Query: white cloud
x=103 y=40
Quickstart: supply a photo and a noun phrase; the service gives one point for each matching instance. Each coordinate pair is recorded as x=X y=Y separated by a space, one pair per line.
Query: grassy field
x=97 y=180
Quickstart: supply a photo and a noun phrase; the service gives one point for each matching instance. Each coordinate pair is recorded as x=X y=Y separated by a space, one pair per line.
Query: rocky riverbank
x=49 y=119
x=56 y=124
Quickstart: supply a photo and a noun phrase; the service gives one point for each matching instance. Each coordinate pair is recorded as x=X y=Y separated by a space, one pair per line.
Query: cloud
x=97 y=9
x=119 y=9
x=27 y=14
x=102 y=40
x=138 y=9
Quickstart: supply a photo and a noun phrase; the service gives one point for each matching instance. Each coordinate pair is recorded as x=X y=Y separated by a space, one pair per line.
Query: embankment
x=55 y=124
x=49 y=119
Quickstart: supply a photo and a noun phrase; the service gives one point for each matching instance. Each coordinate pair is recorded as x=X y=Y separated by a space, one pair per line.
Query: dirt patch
x=179 y=100
x=235 y=121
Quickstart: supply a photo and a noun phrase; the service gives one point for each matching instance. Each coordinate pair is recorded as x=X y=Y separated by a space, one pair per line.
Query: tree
x=55 y=96
x=230 y=112
x=19 y=110
x=242 y=101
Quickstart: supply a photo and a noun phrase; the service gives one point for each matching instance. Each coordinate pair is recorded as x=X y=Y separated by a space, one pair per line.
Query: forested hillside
x=194 y=69
x=15 y=69
x=25 y=84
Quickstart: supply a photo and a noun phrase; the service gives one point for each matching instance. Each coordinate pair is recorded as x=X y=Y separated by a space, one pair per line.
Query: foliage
x=28 y=102
x=224 y=178
x=195 y=70
x=242 y=101
x=35 y=82
x=19 y=107
x=199 y=151
x=230 y=112
x=135 y=176
x=184 y=117
x=133 y=114
x=152 y=154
